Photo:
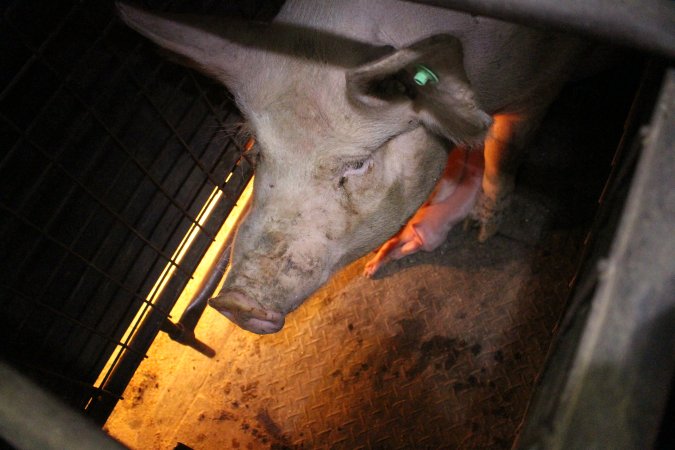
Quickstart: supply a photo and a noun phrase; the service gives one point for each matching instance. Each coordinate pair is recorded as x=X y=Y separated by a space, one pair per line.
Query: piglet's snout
x=247 y=313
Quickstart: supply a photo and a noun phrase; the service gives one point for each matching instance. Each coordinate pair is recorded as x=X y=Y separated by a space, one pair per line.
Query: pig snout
x=247 y=313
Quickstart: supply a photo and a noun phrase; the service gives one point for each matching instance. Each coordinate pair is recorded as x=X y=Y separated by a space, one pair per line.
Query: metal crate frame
x=108 y=157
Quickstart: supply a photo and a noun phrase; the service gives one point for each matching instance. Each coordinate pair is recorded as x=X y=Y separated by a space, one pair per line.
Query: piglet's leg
x=504 y=148
x=451 y=201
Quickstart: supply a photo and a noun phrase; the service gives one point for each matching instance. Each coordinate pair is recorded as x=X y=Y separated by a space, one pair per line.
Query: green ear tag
x=424 y=75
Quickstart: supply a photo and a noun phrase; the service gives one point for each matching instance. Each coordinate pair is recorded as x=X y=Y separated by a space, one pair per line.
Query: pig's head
x=349 y=147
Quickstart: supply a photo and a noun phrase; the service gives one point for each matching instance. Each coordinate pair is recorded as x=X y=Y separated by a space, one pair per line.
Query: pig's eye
x=358 y=167
x=355 y=168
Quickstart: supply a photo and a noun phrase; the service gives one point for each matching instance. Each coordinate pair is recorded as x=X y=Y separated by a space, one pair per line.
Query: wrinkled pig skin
x=349 y=146
x=450 y=202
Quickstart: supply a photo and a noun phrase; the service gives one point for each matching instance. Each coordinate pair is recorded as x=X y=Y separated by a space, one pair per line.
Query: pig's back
x=509 y=66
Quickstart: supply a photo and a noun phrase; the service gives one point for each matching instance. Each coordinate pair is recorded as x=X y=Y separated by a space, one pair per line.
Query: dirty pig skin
x=351 y=141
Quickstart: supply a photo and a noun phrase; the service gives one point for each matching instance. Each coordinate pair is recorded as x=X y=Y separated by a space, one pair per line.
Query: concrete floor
x=440 y=350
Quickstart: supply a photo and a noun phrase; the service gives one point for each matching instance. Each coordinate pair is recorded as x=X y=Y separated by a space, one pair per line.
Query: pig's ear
x=212 y=45
x=445 y=103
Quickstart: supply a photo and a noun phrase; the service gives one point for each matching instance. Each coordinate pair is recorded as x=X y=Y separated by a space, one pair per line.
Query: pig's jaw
x=261 y=306
x=271 y=277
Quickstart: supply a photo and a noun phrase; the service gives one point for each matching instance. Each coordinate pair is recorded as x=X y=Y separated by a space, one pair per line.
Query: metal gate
x=109 y=156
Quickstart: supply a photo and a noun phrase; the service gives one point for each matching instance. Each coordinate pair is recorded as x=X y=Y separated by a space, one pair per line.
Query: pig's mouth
x=247 y=313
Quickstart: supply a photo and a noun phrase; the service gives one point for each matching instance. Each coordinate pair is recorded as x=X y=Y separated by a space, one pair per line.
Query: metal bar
x=125 y=364
x=42 y=46
x=169 y=125
x=185 y=336
x=46 y=236
x=189 y=274
x=63 y=315
x=122 y=358
x=81 y=230
x=172 y=329
x=95 y=197
x=116 y=359
x=132 y=335
x=194 y=310
x=614 y=384
x=183 y=332
x=644 y=24
x=32 y=418
x=93 y=113
x=66 y=78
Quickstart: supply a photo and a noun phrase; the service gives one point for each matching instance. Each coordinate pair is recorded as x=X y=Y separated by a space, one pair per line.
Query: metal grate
x=107 y=157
